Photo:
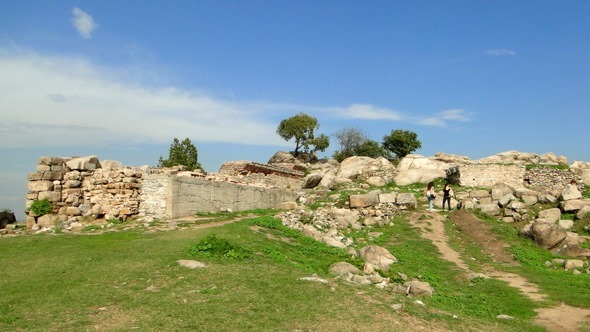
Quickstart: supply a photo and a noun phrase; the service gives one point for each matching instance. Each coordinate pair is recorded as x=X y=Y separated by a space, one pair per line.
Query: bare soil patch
x=469 y=225
x=561 y=318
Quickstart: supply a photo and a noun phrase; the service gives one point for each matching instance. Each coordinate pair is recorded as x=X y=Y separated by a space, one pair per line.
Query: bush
x=41 y=207
x=212 y=246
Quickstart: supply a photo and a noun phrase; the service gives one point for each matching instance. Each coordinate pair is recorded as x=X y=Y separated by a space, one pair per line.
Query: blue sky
x=121 y=79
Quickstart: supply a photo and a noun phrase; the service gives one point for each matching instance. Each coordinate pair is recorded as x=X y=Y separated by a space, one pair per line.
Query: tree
x=349 y=139
x=320 y=143
x=301 y=128
x=401 y=142
x=373 y=149
x=181 y=153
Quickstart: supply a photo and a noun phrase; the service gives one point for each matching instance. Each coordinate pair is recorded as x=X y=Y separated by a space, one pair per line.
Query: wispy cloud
x=500 y=52
x=369 y=112
x=64 y=101
x=442 y=118
x=53 y=101
x=84 y=23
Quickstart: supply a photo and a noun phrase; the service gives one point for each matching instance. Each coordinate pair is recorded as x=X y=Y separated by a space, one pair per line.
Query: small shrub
x=41 y=207
x=212 y=246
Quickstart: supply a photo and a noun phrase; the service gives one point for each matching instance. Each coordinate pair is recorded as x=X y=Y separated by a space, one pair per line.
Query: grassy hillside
x=130 y=280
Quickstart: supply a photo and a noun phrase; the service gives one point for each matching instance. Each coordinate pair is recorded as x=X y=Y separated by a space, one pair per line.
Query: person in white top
x=430 y=195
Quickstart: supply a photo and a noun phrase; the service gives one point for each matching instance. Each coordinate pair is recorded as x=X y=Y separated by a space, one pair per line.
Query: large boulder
x=570 y=192
x=353 y=166
x=409 y=176
x=282 y=157
x=418 y=288
x=524 y=158
x=500 y=190
x=312 y=181
x=343 y=268
x=6 y=217
x=451 y=158
x=377 y=257
x=546 y=234
x=89 y=163
x=550 y=215
x=363 y=200
x=415 y=168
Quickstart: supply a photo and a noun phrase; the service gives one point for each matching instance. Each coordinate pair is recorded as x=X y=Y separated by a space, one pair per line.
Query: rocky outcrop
x=416 y=168
x=354 y=168
x=524 y=158
x=6 y=217
x=582 y=170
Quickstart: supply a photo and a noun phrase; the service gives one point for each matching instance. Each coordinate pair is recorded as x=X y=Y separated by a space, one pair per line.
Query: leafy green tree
x=401 y=142
x=301 y=128
x=320 y=143
x=373 y=149
x=181 y=153
x=354 y=142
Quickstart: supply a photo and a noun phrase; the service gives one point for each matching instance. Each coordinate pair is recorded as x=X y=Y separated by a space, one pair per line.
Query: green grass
x=560 y=285
x=480 y=300
x=130 y=280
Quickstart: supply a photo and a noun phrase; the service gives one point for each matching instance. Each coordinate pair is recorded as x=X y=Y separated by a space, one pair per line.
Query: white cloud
x=84 y=23
x=368 y=112
x=500 y=52
x=442 y=118
x=56 y=101
x=64 y=101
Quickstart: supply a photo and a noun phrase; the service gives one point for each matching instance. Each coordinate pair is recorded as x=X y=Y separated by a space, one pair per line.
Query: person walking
x=430 y=195
x=447 y=194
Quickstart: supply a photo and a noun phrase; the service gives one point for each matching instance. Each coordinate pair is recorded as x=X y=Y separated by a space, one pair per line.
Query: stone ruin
x=84 y=188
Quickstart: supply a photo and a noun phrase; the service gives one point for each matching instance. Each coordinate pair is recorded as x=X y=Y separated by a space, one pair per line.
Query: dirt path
x=562 y=318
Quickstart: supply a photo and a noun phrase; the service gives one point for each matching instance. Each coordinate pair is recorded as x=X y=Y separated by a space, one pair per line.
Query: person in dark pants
x=447 y=194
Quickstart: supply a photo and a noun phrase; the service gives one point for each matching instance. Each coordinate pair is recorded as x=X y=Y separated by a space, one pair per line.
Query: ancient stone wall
x=154 y=197
x=252 y=173
x=80 y=188
x=486 y=175
x=550 y=179
x=190 y=195
x=543 y=179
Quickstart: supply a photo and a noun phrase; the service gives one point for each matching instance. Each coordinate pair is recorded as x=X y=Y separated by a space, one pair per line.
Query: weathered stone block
x=530 y=199
x=72 y=184
x=89 y=163
x=551 y=215
x=52 y=176
x=73 y=211
x=387 y=198
x=37 y=186
x=52 y=196
x=46 y=220
x=406 y=199
x=479 y=194
x=35 y=176
x=365 y=200
x=573 y=205
x=43 y=168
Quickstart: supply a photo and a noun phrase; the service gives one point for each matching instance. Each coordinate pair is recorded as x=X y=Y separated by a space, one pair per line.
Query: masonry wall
x=84 y=188
x=486 y=175
x=190 y=195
